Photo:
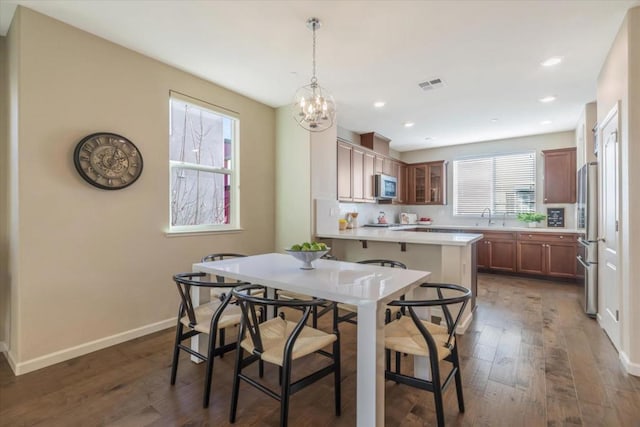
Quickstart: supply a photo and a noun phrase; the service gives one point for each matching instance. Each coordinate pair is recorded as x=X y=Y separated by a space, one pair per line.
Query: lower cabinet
x=548 y=254
x=536 y=253
x=497 y=251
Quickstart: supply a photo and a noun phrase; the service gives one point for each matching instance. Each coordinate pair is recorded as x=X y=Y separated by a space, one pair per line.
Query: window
x=505 y=184
x=203 y=147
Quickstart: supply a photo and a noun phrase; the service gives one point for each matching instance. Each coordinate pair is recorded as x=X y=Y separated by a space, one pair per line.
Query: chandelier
x=314 y=108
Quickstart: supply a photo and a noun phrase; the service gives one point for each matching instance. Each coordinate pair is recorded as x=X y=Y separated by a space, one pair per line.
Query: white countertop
x=493 y=227
x=396 y=235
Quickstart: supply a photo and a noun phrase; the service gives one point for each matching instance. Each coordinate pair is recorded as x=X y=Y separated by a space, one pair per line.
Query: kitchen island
x=450 y=257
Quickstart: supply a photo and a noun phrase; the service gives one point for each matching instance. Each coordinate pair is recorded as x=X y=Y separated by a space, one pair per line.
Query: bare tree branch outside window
x=201 y=162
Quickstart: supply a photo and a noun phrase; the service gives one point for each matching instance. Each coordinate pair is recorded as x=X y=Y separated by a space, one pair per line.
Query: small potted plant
x=531 y=218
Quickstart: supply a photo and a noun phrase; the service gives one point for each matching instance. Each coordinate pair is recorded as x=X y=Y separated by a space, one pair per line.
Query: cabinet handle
x=562 y=237
x=545 y=199
x=530 y=236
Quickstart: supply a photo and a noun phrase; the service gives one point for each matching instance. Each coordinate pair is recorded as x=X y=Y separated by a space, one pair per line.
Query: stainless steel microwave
x=386 y=187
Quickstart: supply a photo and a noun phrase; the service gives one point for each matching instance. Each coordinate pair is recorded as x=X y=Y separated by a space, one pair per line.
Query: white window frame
x=233 y=171
x=491 y=200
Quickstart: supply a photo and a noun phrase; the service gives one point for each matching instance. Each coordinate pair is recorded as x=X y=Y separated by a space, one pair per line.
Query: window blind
x=504 y=183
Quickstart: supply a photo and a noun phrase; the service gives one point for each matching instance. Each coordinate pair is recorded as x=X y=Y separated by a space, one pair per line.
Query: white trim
x=89 y=347
x=12 y=362
x=629 y=366
x=3 y=347
x=464 y=324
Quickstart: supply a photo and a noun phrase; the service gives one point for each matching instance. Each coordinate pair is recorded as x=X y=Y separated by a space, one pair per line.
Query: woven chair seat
x=403 y=336
x=275 y=333
x=204 y=313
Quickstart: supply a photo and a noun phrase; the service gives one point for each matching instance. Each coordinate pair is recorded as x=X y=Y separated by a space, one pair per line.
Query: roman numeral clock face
x=108 y=161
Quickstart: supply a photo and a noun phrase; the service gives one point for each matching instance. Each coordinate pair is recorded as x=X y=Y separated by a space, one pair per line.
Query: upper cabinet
x=344 y=172
x=357 y=167
x=560 y=175
x=375 y=142
x=427 y=183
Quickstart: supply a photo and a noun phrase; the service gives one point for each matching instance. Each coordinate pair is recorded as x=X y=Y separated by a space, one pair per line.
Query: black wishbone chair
x=411 y=335
x=216 y=292
x=208 y=318
x=280 y=342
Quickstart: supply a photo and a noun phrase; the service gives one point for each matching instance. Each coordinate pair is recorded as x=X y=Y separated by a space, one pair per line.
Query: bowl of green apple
x=308 y=252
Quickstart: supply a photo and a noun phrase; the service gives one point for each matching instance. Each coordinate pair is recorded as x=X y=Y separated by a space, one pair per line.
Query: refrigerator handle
x=581 y=261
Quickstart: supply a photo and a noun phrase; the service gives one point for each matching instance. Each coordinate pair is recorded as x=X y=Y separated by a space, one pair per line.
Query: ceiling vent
x=434 y=83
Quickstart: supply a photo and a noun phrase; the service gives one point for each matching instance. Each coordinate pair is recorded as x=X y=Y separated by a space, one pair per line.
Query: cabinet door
x=502 y=255
x=402 y=183
x=417 y=184
x=531 y=257
x=368 y=170
x=379 y=165
x=357 y=164
x=561 y=259
x=387 y=167
x=436 y=176
x=560 y=175
x=482 y=253
x=344 y=172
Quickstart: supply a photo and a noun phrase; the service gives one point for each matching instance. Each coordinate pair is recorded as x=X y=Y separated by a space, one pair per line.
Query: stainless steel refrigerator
x=587 y=208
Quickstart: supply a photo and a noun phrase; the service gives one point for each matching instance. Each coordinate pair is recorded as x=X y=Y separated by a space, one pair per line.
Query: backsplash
x=441 y=215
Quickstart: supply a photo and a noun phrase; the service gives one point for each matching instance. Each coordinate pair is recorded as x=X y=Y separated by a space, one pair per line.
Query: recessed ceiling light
x=379 y=104
x=546 y=99
x=494 y=120
x=554 y=60
x=546 y=122
x=408 y=124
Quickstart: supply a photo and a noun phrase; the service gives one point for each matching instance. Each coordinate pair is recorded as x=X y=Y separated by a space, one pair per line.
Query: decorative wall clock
x=108 y=161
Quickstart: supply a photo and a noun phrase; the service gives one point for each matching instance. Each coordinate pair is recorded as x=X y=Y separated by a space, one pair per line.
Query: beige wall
x=90 y=264
x=306 y=169
x=619 y=80
x=293 y=181
x=513 y=145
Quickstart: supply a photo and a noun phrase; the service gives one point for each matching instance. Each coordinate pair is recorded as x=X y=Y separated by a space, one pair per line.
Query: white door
x=609 y=279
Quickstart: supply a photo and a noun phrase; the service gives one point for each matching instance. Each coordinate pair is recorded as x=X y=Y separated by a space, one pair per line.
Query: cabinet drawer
x=497 y=235
x=547 y=237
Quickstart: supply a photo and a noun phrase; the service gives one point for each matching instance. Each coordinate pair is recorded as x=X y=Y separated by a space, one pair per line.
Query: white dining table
x=369 y=287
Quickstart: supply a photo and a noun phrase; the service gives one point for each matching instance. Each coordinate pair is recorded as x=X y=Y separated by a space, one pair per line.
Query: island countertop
x=396 y=235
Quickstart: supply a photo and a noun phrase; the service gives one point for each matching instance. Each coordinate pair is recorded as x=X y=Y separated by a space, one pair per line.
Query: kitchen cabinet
x=344 y=172
x=357 y=174
x=560 y=175
x=427 y=183
x=402 y=182
x=548 y=254
x=375 y=142
x=497 y=251
x=356 y=169
x=368 y=177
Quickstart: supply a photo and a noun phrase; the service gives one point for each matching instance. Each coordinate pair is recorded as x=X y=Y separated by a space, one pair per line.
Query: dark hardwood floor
x=530 y=358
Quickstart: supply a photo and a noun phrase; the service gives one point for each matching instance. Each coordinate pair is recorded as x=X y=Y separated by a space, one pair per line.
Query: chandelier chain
x=314 y=79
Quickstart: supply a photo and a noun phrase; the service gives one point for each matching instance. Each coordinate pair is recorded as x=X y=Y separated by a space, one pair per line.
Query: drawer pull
x=562 y=237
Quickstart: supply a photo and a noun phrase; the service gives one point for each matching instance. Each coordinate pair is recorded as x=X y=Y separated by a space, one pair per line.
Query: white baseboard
x=89 y=347
x=3 y=347
x=629 y=366
x=464 y=324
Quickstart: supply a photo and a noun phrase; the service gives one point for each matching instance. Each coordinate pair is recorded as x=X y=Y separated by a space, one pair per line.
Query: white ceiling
x=487 y=52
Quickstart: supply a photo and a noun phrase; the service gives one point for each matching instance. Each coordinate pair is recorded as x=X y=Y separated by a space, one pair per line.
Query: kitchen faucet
x=483 y=212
